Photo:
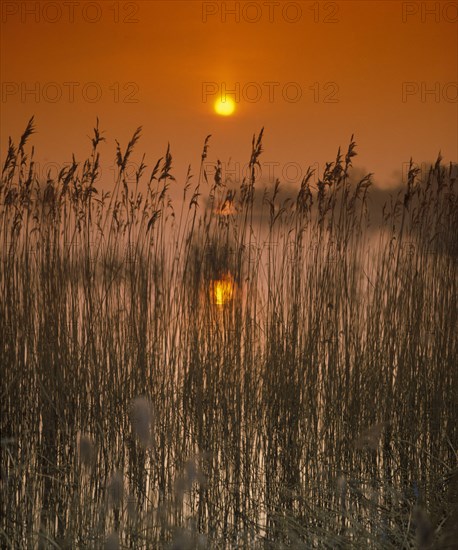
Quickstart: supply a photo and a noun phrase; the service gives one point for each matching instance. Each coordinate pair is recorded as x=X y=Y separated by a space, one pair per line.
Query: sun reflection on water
x=222 y=290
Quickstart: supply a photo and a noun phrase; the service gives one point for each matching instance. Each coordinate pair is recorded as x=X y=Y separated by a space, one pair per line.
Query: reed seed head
x=140 y=417
x=86 y=450
x=112 y=542
x=116 y=489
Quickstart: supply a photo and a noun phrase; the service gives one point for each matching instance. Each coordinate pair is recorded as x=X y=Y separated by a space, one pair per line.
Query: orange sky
x=364 y=51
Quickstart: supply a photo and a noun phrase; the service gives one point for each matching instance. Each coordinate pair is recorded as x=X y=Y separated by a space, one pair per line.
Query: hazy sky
x=311 y=73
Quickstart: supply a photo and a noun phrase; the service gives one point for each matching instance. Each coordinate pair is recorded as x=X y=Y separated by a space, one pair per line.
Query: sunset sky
x=385 y=71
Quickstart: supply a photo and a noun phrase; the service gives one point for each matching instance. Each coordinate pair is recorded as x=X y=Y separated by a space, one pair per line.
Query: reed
x=309 y=403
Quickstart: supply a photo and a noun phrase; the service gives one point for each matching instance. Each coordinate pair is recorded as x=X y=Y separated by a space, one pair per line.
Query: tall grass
x=316 y=408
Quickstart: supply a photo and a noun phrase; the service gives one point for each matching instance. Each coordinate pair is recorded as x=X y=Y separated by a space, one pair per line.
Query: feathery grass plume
x=10 y=156
x=115 y=489
x=423 y=528
x=98 y=135
x=132 y=507
x=191 y=474
x=167 y=166
x=205 y=149
x=112 y=542
x=155 y=171
x=370 y=437
x=202 y=170
x=122 y=160
x=182 y=540
x=342 y=495
x=256 y=150
x=304 y=200
x=86 y=450
x=141 y=419
x=188 y=539
x=30 y=129
x=341 y=484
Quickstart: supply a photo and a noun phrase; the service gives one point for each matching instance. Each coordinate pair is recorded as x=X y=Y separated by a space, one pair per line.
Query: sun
x=225 y=106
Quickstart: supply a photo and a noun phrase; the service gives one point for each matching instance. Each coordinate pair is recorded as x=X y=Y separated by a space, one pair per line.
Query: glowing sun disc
x=224 y=106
